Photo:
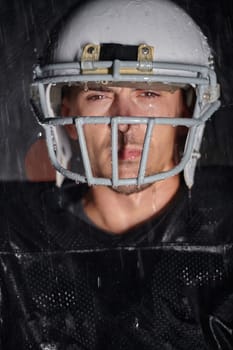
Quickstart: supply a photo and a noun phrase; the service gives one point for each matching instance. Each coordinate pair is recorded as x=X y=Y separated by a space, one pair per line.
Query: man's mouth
x=129 y=154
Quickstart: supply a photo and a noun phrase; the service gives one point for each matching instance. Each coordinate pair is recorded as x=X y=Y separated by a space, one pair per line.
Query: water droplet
x=18 y=255
x=136 y=323
x=98 y=281
x=47 y=346
x=85 y=87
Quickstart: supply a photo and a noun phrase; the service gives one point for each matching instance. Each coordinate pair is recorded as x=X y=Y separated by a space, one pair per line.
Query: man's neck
x=116 y=212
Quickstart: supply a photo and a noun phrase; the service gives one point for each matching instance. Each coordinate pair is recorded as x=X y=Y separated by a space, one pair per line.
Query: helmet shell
x=158 y=23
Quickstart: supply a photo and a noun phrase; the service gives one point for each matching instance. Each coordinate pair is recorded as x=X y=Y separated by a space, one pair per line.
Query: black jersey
x=167 y=284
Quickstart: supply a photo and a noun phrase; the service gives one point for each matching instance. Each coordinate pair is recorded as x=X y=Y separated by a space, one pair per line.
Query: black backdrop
x=24 y=29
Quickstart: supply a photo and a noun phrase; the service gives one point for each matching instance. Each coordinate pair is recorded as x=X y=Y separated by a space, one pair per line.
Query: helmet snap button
x=90 y=50
x=145 y=51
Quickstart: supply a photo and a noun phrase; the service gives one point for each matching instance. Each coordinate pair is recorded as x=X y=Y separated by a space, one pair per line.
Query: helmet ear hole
x=190 y=100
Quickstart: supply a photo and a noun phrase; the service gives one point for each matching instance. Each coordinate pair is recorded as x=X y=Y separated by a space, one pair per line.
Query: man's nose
x=122 y=108
x=123 y=127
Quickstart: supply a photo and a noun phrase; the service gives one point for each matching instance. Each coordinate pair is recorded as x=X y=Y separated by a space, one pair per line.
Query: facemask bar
x=114 y=122
x=141 y=179
x=207 y=103
x=160 y=72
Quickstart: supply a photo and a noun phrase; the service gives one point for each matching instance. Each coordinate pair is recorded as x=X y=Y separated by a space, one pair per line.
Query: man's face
x=122 y=101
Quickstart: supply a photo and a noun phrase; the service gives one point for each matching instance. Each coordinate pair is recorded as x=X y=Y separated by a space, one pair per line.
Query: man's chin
x=125 y=174
x=130 y=189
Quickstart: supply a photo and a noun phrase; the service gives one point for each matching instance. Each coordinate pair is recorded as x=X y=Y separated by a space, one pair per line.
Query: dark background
x=24 y=29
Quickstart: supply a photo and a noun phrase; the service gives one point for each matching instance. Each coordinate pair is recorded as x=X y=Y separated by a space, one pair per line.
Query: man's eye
x=149 y=94
x=95 y=97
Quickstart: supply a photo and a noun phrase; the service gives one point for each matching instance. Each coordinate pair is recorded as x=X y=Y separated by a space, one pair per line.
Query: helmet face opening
x=143 y=67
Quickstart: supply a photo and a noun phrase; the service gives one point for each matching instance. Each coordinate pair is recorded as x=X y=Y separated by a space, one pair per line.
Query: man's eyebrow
x=99 y=88
x=109 y=89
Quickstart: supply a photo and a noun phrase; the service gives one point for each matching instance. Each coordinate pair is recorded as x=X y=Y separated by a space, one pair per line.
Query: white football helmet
x=125 y=43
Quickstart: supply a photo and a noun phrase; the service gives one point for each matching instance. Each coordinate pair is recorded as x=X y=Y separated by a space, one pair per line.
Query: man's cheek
x=71 y=131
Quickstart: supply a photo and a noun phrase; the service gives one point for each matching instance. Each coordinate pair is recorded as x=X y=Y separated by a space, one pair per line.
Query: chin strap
x=61 y=140
x=63 y=152
x=189 y=170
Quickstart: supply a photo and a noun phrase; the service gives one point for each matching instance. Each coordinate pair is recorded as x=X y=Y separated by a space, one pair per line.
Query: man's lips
x=129 y=154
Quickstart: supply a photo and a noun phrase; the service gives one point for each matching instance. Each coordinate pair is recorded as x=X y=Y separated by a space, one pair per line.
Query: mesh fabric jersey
x=66 y=284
